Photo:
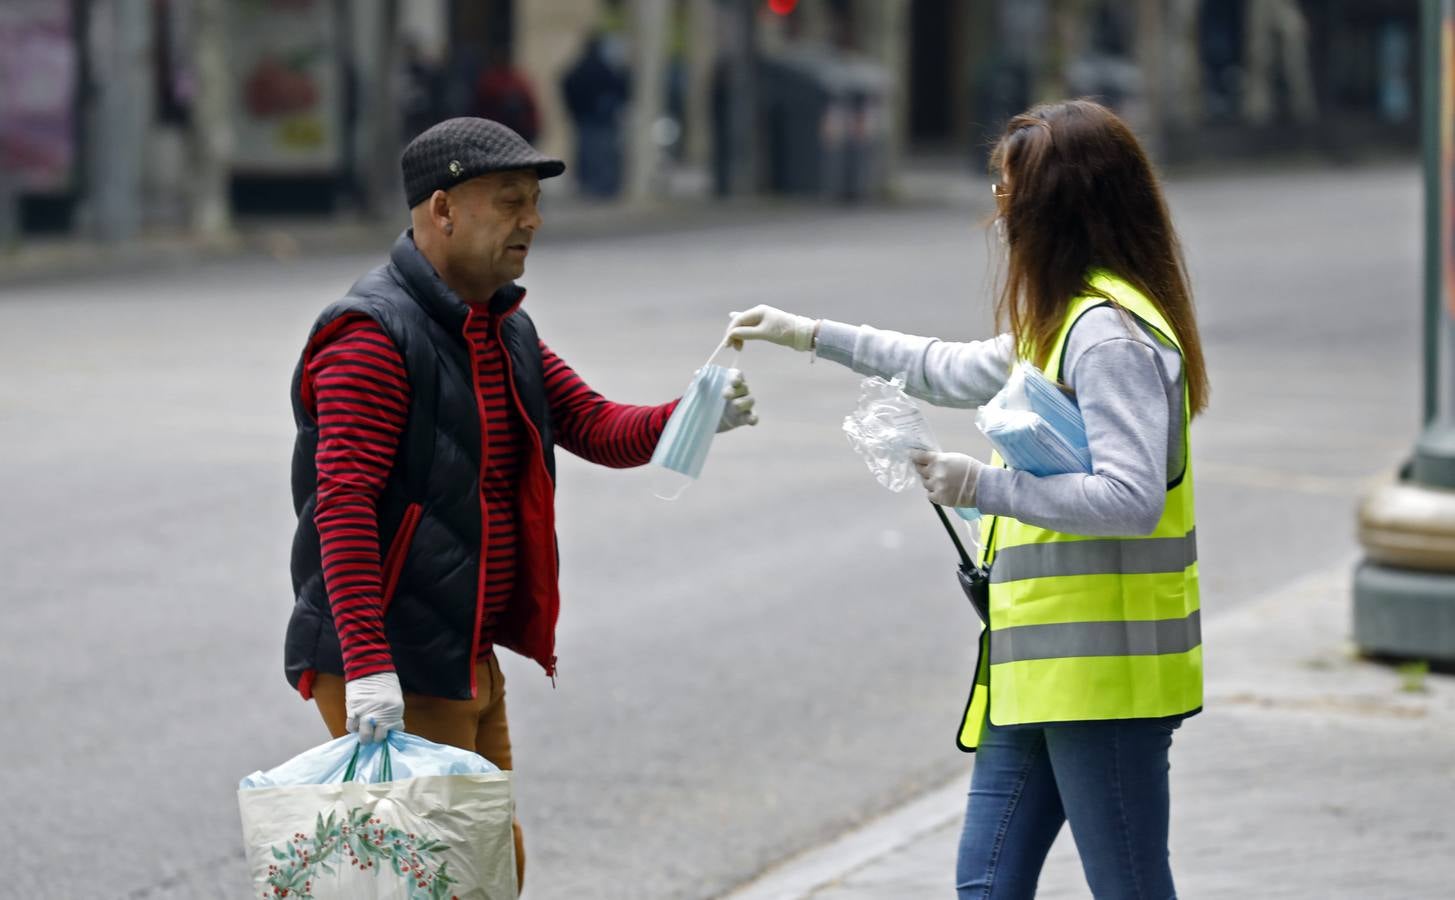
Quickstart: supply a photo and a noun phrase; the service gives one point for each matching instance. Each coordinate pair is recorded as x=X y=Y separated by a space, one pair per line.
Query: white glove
x=374 y=705
x=950 y=478
x=764 y=323
x=739 y=409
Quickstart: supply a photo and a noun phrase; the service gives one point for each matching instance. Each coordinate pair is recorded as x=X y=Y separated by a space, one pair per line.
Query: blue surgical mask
x=689 y=432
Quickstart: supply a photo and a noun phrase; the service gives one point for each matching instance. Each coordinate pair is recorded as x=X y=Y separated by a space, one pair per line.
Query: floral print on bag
x=367 y=845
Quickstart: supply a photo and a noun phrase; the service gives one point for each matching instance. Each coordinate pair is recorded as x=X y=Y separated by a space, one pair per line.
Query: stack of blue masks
x=1035 y=427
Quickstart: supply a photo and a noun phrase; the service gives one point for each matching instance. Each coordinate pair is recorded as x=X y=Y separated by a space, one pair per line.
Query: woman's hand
x=950 y=478
x=764 y=323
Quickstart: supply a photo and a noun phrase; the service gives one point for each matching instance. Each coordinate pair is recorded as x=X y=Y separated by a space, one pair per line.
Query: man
x=596 y=90
x=423 y=474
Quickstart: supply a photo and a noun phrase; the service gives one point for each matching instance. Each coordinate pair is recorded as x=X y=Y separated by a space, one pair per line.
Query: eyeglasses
x=999 y=192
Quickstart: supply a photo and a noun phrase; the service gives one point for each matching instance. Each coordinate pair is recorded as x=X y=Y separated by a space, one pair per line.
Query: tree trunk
x=648 y=33
x=212 y=136
x=120 y=33
x=1151 y=51
x=742 y=80
x=379 y=113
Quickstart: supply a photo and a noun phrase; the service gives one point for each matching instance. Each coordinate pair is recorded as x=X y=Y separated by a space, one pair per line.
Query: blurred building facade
x=112 y=112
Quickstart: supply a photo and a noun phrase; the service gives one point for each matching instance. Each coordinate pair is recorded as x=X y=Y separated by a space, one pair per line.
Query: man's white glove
x=950 y=478
x=375 y=706
x=764 y=323
x=739 y=409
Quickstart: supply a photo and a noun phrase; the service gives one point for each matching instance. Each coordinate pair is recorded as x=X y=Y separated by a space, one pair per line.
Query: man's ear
x=441 y=212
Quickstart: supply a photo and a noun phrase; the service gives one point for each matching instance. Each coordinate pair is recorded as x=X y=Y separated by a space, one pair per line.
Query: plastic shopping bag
x=1035 y=427
x=885 y=427
x=687 y=437
x=405 y=819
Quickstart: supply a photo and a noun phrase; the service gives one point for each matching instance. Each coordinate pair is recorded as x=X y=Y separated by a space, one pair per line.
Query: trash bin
x=823 y=125
x=867 y=147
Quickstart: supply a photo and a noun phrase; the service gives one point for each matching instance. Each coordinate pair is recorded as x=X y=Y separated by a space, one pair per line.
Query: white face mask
x=688 y=434
x=1000 y=231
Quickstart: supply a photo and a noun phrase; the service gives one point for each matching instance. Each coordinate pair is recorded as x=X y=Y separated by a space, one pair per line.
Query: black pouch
x=974 y=578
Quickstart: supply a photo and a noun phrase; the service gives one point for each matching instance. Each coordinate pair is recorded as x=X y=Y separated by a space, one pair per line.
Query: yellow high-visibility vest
x=1084 y=628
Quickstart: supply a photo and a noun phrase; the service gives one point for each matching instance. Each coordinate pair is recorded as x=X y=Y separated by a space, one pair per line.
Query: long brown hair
x=1082 y=196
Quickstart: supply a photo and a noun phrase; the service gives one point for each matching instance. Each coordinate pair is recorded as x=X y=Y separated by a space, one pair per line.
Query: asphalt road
x=745 y=672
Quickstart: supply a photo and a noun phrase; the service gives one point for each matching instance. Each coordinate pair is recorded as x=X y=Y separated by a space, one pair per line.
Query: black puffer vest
x=429 y=515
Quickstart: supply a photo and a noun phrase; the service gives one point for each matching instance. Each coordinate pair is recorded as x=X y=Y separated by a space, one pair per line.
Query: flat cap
x=457 y=150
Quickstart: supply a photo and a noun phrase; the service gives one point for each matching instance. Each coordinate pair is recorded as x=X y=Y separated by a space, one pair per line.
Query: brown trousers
x=477 y=725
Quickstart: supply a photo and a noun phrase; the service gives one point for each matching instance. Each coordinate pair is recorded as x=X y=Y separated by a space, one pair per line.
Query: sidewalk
x=567 y=218
x=285 y=237
x=1311 y=774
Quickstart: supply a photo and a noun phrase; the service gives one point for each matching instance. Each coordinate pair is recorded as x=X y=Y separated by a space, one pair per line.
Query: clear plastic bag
x=345 y=759
x=1035 y=427
x=885 y=426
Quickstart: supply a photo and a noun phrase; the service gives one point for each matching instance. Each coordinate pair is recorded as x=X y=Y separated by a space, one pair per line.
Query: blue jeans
x=1108 y=779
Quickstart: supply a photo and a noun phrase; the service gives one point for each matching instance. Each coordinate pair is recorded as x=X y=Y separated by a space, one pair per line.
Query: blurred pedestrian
x=428 y=413
x=504 y=94
x=423 y=89
x=1092 y=654
x=1284 y=23
x=596 y=89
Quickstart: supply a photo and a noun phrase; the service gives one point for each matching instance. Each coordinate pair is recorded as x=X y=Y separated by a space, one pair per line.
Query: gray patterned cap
x=457 y=150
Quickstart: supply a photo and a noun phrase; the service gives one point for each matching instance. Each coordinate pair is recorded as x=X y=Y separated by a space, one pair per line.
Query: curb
x=1294 y=679
x=282 y=239
x=800 y=876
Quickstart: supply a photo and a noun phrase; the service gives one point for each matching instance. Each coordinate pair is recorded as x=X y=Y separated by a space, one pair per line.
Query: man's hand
x=764 y=323
x=375 y=706
x=950 y=478
x=739 y=409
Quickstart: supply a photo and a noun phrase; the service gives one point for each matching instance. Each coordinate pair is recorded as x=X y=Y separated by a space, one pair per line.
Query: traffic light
x=782 y=7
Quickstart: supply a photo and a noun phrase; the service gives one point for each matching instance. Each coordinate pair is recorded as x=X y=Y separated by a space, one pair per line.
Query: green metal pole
x=1431 y=22
x=1404 y=589
x=1434 y=457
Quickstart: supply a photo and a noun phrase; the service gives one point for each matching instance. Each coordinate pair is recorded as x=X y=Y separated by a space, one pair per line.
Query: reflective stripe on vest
x=1095 y=557
x=1068 y=639
x=1091 y=628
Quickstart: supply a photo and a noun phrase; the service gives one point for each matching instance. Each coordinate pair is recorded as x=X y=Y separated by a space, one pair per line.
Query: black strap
x=954 y=536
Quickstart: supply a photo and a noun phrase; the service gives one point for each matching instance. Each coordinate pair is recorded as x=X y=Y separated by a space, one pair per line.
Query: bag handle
x=386 y=769
x=950 y=529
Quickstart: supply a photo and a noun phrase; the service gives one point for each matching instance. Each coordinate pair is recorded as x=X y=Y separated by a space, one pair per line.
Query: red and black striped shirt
x=360 y=396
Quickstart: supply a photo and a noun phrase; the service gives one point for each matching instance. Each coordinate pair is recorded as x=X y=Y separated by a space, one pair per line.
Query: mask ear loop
x=732 y=357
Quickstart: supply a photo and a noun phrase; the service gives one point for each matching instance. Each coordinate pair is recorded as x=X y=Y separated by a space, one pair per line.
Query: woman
x=1093 y=654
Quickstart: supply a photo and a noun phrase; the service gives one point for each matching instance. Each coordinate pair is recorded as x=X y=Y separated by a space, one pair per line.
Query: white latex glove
x=739 y=409
x=374 y=705
x=764 y=323
x=950 y=478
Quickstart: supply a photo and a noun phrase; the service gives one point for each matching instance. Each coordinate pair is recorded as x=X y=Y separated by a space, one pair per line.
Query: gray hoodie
x=1128 y=385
